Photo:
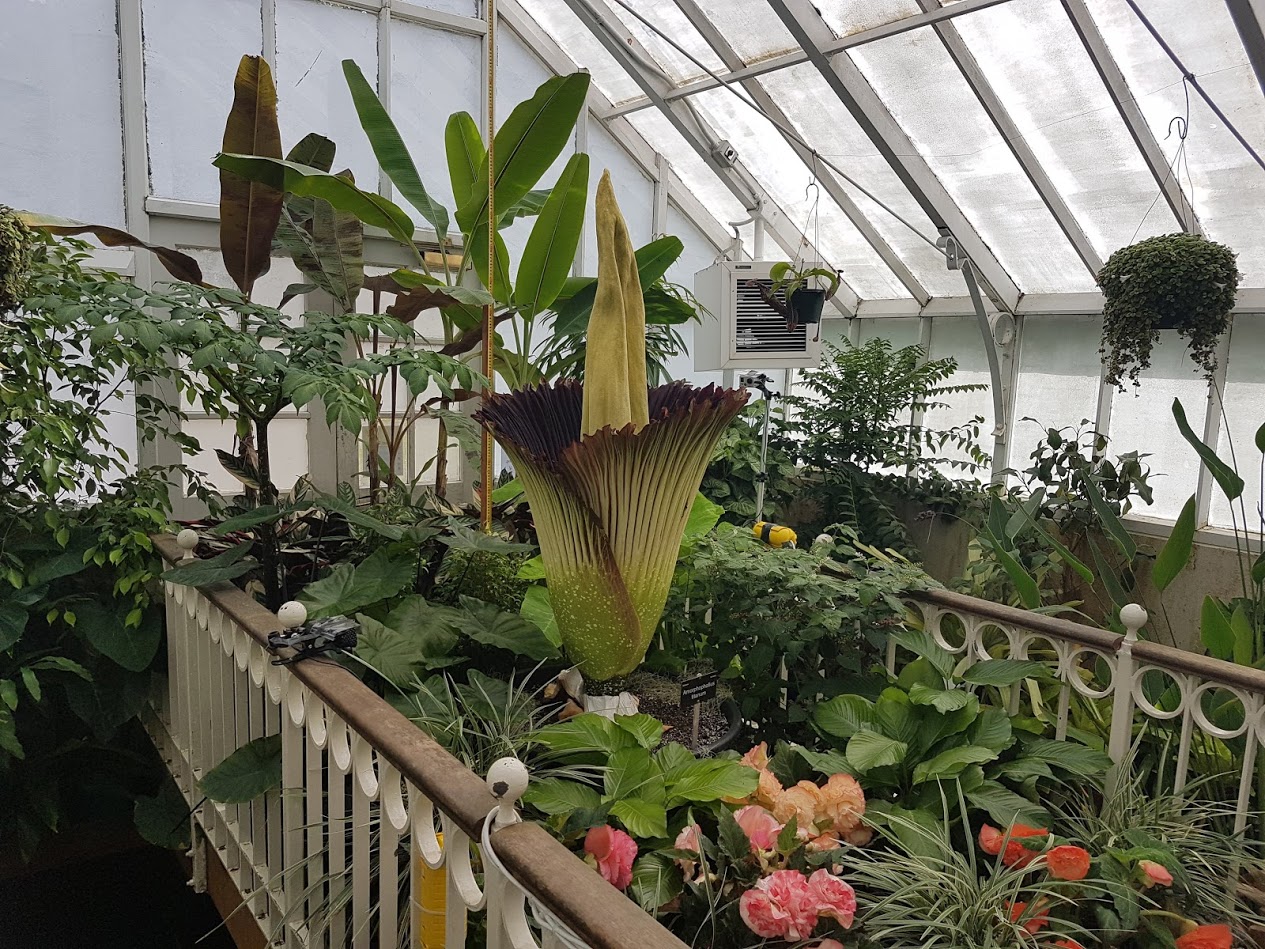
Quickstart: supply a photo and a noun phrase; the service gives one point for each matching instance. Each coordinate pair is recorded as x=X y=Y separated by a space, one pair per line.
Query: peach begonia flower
x=780 y=906
x=1066 y=862
x=767 y=791
x=840 y=803
x=1154 y=874
x=835 y=899
x=799 y=802
x=827 y=944
x=1016 y=855
x=759 y=825
x=1207 y=937
x=688 y=839
x=1033 y=922
x=614 y=852
x=757 y=757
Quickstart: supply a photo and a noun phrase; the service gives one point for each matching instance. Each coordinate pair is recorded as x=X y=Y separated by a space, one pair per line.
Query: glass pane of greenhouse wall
x=960 y=338
x=750 y=27
x=62 y=148
x=1059 y=369
x=1244 y=415
x=633 y=190
x=1142 y=420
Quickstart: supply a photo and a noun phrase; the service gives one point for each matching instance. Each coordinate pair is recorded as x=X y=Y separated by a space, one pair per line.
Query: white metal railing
x=377 y=838
x=1144 y=682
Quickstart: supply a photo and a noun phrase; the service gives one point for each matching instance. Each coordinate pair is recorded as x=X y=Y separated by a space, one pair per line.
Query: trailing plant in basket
x=1176 y=281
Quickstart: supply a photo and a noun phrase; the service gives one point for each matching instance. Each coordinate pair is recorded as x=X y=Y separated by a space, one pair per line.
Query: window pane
x=960 y=338
x=1144 y=422
x=1244 y=415
x=556 y=19
x=1059 y=367
x=660 y=134
x=751 y=27
x=668 y=20
x=852 y=16
x=828 y=127
x=1225 y=185
x=1029 y=48
x=312 y=41
x=925 y=92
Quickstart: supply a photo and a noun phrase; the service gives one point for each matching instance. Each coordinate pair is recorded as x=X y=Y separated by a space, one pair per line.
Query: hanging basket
x=807 y=305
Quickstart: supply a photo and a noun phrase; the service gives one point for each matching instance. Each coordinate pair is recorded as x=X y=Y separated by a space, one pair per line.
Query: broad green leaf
x=226 y=566
x=12 y=624
x=672 y=757
x=532 y=569
x=178 y=264
x=1003 y=672
x=1258 y=569
x=559 y=796
x=587 y=732
x=1244 y=637
x=827 y=762
x=112 y=698
x=1108 y=520
x=463 y=538
x=132 y=647
x=630 y=772
x=656 y=880
x=502 y=288
x=427 y=625
x=358 y=517
x=463 y=147
x=251 y=770
x=868 y=750
x=922 y=643
x=1005 y=807
x=390 y=150
x=1021 y=770
x=704 y=515
x=337 y=242
x=486 y=624
x=314 y=150
x=507 y=492
x=250 y=209
x=951 y=763
x=534 y=134
x=653 y=261
x=163 y=820
x=709 y=780
x=306 y=182
x=1225 y=476
x=733 y=842
x=1215 y=629
x=941 y=700
x=1176 y=553
x=1025 y=586
x=550 y=250
x=645 y=728
x=264 y=514
x=1067 y=755
x=392 y=654
x=844 y=715
x=530 y=205
x=991 y=730
x=538 y=610
x=350 y=588
x=1260 y=439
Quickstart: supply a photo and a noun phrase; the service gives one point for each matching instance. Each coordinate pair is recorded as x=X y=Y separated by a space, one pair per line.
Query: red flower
x=1154 y=874
x=614 y=851
x=1068 y=944
x=1016 y=855
x=1068 y=863
x=1207 y=937
x=1033 y=922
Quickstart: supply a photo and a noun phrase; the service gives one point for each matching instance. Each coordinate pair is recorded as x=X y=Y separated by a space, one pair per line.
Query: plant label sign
x=699 y=689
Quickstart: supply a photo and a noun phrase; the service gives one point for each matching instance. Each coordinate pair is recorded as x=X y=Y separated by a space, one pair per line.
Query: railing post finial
x=1133 y=617
x=187 y=539
x=507 y=780
x=292 y=614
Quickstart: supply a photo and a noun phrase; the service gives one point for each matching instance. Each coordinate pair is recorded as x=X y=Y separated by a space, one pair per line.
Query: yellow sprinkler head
x=775 y=535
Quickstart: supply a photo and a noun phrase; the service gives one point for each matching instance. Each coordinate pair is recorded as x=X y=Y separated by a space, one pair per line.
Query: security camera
x=725 y=153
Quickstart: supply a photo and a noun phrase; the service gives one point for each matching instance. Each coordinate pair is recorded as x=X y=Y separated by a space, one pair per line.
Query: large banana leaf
x=1176 y=553
x=390 y=150
x=1229 y=480
x=463 y=147
x=653 y=261
x=531 y=139
x=250 y=210
x=181 y=266
x=550 y=250
x=532 y=203
x=502 y=287
x=306 y=182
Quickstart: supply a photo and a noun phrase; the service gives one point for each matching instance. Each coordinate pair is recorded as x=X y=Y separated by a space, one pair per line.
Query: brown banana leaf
x=250 y=211
x=181 y=266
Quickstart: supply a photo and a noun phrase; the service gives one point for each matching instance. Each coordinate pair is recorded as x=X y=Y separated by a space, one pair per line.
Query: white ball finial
x=1134 y=618
x=507 y=780
x=292 y=614
x=823 y=539
x=187 y=540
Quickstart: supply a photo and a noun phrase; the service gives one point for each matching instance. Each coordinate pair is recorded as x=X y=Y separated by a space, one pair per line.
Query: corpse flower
x=610 y=468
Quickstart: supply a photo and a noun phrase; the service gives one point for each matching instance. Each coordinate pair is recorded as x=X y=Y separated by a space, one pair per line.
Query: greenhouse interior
x=632 y=474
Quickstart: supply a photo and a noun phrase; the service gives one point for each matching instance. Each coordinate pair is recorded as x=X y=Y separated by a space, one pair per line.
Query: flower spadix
x=611 y=468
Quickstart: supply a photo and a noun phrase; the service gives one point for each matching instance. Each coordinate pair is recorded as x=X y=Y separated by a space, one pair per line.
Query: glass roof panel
x=821 y=119
x=776 y=166
x=927 y=95
x=694 y=172
x=1028 y=49
x=556 y=19
x=751 y=27
x=846 y=17
x=668 y=19
x=1226 y=187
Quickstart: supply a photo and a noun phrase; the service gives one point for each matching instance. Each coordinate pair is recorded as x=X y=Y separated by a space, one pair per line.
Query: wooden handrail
x=593 y=909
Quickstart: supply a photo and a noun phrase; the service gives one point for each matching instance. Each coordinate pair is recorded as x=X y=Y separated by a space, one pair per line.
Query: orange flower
x=840 y=803
x=767 y=790
x=1033 y=922
x=800 y=802
x=1068 y=863
x=1154 y=874
x=1016 y=855
x=1207 y=937
x=757 y=757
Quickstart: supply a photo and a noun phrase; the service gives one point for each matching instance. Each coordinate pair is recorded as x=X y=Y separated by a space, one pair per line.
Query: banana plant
x=611 y=468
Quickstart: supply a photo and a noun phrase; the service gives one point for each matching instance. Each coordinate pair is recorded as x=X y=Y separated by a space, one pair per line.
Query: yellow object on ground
x=775 y=535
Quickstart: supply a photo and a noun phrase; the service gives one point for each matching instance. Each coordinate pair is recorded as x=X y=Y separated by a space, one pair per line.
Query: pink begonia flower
x=614 y=851
x=759 y=825
x=1154 y=874
x=835 y=898
x=828 y=944
x=780 y=906
x=688 y=839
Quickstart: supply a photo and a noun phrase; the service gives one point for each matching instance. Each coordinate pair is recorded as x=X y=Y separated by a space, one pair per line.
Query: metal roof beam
x=769 y=106
x=845 y=79
x=1247 y=16
x=794 y=58
x=1131 y=112
x=602 y=22
x=965 y=60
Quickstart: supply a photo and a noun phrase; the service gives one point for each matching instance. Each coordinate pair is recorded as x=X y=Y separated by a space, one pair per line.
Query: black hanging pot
x=806 y=305
x=1168 y=321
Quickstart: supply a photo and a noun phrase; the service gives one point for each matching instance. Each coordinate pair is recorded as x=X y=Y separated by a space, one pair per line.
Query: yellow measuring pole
x=430 y=899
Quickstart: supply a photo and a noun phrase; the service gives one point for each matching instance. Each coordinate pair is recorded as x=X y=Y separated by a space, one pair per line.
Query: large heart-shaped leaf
x=251 y=770
x=132 y=647
x=349 y=587
x=228 y=565
x=250 y=210
x=486 y=624
x=550 y=251
x=390 y=150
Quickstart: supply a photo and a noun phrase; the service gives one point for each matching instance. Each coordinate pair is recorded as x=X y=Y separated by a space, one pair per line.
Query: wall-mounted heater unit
x=742 y=330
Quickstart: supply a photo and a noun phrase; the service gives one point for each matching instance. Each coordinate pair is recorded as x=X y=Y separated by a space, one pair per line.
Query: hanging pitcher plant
x=611 y=468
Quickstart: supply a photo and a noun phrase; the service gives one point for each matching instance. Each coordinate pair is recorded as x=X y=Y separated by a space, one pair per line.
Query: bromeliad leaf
x=251 y=770
x=230 y=564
